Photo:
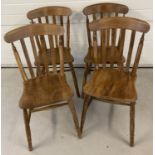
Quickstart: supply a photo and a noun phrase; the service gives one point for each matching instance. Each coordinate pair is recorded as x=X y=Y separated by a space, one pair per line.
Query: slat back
x=26 y=37
x=56 y=15
x=101 y=10
x=121 y=25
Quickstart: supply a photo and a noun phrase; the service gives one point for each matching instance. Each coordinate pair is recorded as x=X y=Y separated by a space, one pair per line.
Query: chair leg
x=89 y=68
x=43 y=70
x=83 y=116
x=73 y=111
x=74 y=79
x=27 y=128
x=132 y=123
x=89 y=101
x=85 y=77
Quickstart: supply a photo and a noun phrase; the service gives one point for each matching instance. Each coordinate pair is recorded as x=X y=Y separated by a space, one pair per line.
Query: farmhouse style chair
x=94 y=12
x=115 y=85
x=61 y=16
x=41 y=91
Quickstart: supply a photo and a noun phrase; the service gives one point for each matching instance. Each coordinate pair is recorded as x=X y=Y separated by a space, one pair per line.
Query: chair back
x=54 y=15
x=127 y=33
x=26 y=44
x=101 y=10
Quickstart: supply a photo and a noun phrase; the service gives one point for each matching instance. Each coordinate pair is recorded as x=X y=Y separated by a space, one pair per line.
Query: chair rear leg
x=43 y=70
x=85 y=77
x=132 y=123
x=74 y=79
x=73 y=111
x=89 y=68
x=85 y=107
x=27 y=128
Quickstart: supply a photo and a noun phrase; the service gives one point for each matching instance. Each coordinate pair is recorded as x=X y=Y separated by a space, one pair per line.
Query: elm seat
x=113 y=85
x=68 y=58
x=112 y=55
x=45 y=90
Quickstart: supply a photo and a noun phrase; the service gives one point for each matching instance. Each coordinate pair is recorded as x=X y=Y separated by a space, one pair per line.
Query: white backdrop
x=14 y=15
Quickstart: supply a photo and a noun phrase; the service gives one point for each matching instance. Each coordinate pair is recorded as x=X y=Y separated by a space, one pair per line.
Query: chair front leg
x=85 y=107
x=73 y=111
x=74 y=79
x=132 y=123
x=27 y=128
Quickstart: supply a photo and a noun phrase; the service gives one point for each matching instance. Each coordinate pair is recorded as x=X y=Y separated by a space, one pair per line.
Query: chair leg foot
x=132 y=124
x=73 y=111
x=74 y=79
x=28 y=130
x=83 y=116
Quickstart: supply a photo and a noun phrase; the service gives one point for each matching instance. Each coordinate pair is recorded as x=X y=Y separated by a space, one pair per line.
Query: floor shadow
x=113 y=131
x=94 y=123
x=52 y=136
x=111 y=116
x=98 y=122
x=142 y=138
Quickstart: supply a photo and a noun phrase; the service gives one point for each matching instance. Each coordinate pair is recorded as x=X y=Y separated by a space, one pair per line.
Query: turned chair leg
x=27 y=128
x=73 y=111
x=85 y=77
x=85 y=108
x=74 y=79
x=132 y=123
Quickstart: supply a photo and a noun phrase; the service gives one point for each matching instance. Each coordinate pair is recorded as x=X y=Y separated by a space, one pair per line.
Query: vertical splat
x=27 y=57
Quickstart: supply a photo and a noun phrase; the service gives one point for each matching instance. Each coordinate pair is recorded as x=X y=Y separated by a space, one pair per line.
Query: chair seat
x=113 y=85
x=66 y=53
x=112 y=55
x=45 y=90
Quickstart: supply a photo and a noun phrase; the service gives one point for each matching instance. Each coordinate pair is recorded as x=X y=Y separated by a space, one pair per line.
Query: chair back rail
x=121 y=25
x=29 y=35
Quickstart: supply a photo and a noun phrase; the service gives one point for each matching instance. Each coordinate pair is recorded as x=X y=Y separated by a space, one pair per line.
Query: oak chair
x=41 y=91
x=60 y=16
x=115 y=85
x=94 y=12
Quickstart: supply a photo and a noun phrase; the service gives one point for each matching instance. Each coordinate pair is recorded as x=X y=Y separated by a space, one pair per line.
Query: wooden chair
x=94 y=12
x=61 y=16
x=41 y=91
x=115 y=85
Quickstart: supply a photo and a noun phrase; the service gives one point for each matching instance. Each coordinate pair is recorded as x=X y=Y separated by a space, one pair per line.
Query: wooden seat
x=61 y=16
x=68 y=58
x=99 y=11
x=112 y=55
x=44 y=91
x=41 y=90
x=115 y=84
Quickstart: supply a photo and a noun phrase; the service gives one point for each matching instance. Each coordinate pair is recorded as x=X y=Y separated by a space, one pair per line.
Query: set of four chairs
x=113 y=78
